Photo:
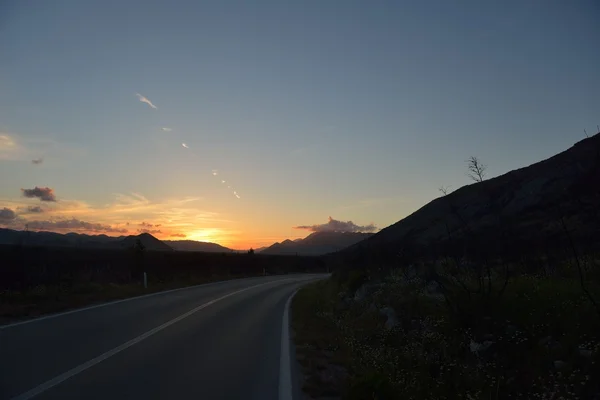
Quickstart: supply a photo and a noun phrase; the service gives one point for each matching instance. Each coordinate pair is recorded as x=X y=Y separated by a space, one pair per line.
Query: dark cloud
x=73 y=225
x=42 y=193
x=181 y=235
x=7 y=216
x=334 y=225
x=150 y=231
x=35 y=209
x=37 y=161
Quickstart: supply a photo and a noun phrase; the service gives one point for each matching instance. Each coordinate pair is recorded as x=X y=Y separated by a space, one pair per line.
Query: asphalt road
x=216 y=341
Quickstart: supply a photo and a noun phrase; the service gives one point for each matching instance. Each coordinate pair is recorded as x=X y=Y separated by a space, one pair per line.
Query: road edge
x=113 y=302
x=285 y=363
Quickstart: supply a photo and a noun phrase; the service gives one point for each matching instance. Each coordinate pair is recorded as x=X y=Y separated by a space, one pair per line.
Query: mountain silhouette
x=192 y=245
x=71 y=239
x=317 y=243
x=519 y=211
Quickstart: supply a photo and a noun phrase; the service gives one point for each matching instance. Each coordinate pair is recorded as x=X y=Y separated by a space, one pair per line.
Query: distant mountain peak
x=72 y=239
x=193 y=245
x=317 y=243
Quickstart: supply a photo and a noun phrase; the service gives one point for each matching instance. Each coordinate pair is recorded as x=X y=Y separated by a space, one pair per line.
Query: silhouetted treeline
x=26 y=267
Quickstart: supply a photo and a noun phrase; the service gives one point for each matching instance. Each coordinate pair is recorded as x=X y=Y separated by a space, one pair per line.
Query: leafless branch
x=444 y=189
x=476 y=169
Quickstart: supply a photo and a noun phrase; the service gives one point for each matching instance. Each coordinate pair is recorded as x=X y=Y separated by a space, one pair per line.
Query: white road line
x=110 y=303
x=285 y=366
x=72 y=372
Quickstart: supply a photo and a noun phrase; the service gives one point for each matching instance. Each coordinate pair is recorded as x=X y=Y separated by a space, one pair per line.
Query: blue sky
x=356 y=110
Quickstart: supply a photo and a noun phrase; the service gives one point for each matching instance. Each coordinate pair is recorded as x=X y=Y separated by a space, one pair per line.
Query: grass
x=44 y=299
x=316 y=334
x=540 y=340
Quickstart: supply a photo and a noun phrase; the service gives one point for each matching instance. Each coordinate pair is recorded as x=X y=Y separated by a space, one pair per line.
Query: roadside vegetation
x=476 y=315
x=402 y=338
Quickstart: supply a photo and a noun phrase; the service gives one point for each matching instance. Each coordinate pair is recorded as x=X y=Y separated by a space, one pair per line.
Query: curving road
x=224 y=340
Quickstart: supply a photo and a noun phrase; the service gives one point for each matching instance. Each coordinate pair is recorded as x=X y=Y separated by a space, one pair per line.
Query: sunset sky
x=119 y=117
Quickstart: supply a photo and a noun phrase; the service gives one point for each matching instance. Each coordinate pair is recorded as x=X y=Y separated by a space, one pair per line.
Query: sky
x=120 y=117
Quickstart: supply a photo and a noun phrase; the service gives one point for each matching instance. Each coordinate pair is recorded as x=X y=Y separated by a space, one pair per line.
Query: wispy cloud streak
x=144 y=99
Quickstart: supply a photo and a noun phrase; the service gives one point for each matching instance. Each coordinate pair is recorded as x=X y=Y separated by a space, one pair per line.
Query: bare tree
x=444 y=189
x=476 y=169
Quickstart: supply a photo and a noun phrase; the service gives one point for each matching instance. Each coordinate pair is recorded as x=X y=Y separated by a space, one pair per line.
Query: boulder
x=392 y=319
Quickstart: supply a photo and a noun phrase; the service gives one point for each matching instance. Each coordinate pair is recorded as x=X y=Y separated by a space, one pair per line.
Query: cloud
x=37 y=161
x=7 y=216
x=215 y=172
x=185 y=145
x=73 y=224
x=334 y=225
x=9 y=148
x=222 y=181
x=144 y=99
x=181 y=235
x=150 y=231
x=166 y=129
x=171 y=215
x=42 y=193
x=35 y=209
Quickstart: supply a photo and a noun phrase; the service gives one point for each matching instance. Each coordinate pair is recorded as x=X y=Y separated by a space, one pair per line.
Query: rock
x=476 y=347
x=342 y=306
x=559 y=364
x=333 y=373
x=433 y=287
x=415 y=324
x=360 y=294
x=410 y=272
x=585 y=353
x=391 y=323
x=511 y=330
x=365 y=290
x=549 y=343
x=392 y=319
x=545 y=340
x=555 y=346
x=436 y=296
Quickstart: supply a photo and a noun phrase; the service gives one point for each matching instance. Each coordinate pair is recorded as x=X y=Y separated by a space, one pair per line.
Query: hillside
x=523 y=208
x=52 y=239
x=192 y=245
x=317 y=243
